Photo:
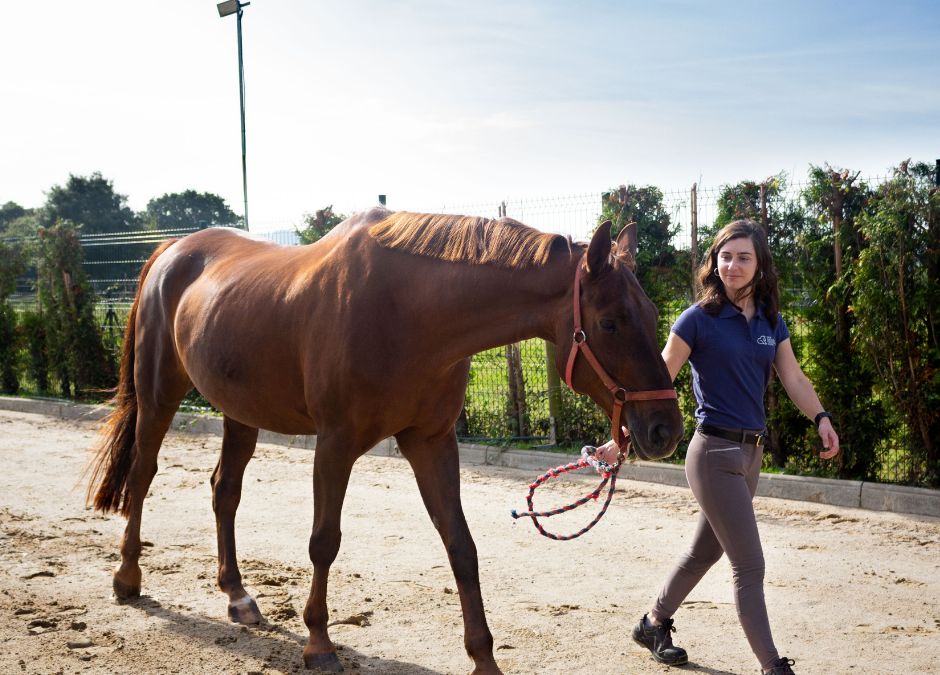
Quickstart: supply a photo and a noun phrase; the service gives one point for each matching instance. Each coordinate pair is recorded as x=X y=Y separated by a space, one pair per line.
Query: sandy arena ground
x=849 y=591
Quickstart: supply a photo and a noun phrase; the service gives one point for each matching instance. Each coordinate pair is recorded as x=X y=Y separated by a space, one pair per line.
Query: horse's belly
x=248 y=373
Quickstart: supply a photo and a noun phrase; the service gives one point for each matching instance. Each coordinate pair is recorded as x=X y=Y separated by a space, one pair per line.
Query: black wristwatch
x=820 y=416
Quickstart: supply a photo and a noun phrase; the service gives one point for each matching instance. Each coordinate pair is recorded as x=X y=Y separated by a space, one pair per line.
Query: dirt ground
x=849 y=591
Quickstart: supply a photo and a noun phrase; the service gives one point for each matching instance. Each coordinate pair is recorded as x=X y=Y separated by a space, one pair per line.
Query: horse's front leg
x=238 y=445
x=436 y=465
x=332 y=465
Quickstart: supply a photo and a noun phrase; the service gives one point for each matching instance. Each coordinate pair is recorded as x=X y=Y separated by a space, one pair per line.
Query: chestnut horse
x=364 y=335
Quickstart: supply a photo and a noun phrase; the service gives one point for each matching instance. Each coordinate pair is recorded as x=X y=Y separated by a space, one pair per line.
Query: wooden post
x=553 y=380
x=694 y=235
x=835 y=212
x=625 y=217
x=763 y=210
x=512 y=402
x=520 y=389
x=67 y=281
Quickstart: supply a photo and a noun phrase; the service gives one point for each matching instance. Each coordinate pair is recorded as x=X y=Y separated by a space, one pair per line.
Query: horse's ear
x=626 y=243
x=598 y=253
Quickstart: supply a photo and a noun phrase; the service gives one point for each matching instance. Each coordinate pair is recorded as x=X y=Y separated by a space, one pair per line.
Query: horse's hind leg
x=152 y=424
x=332 y=465
x=436 y=465
x=238 y=445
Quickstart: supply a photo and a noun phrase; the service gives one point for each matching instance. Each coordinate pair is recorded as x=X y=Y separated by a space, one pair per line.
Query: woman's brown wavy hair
x=763 y=286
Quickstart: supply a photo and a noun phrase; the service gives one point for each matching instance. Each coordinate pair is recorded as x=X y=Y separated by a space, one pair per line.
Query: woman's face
x=737 y=265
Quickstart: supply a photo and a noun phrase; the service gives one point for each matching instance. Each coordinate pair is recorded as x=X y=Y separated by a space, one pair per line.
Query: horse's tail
x=114 y=449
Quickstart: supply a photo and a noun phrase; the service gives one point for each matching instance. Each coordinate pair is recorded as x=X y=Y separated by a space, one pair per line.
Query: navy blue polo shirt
x=731 y=363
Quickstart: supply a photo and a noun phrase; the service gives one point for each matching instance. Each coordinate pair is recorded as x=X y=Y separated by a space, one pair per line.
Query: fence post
x=553 y=379
x=694 y=214
x=512 y=401
x=520 y=389
x=624 y=196
x=763 y=210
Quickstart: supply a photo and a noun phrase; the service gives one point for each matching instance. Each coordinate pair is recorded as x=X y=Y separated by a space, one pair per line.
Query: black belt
x=736 y=436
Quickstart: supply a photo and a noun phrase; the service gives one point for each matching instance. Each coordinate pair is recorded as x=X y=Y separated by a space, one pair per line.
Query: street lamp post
x=235 y=7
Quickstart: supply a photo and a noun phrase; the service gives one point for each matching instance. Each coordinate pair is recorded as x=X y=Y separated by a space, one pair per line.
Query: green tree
x=10 y=212
x=783 y=221
x=896 y=307
x=91 y=202
x=189 y=209
x=23 y=227
x=73 y=339
x=316 y=226
x=840 y=371
x=11 y=265
x=664 y=272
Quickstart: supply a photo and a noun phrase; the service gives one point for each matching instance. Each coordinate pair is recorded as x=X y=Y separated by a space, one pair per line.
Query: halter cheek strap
x=621 y=395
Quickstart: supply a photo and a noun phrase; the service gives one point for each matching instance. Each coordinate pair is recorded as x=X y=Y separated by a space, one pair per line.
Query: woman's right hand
x=829 y=438
x=608 y=452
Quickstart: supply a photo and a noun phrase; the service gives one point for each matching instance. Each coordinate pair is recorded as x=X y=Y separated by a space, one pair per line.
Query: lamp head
x=228 y=7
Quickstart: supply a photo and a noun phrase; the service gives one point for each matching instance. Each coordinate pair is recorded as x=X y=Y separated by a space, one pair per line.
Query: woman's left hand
x=829 y=438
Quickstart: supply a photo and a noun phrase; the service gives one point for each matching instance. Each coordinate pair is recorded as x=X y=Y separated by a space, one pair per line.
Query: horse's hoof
x=244 y=611
x=328 y=663
x=124 y=592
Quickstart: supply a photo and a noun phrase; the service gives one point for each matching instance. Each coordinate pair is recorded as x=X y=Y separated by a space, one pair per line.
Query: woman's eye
x=608 y=326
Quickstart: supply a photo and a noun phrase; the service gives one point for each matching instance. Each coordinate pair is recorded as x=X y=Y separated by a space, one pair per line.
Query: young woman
x=731 y=337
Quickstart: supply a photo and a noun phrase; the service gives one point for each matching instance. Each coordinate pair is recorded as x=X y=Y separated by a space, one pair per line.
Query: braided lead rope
x=587 y=459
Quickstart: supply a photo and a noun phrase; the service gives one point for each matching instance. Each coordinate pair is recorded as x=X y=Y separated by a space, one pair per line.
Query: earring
x=716 y=272
x=762 y=274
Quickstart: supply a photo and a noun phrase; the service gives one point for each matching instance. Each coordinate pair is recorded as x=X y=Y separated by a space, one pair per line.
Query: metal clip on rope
x=587 y=459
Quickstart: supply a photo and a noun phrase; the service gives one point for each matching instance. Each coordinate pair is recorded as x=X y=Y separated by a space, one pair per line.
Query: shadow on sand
x=278 y=648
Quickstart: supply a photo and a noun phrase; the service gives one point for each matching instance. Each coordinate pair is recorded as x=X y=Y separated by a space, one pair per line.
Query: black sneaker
x=658 y=640
x=781 y=667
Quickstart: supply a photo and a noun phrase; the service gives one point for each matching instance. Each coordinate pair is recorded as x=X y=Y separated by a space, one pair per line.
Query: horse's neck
x=498 y=307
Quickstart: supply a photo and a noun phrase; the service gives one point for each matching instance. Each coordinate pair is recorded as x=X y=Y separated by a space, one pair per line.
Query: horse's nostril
x=659 y=436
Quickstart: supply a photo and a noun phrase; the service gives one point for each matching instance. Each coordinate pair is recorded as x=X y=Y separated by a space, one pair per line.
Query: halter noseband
x=621 y=395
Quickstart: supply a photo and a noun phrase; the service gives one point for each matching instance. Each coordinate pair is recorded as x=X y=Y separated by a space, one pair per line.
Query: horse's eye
x=608 y=326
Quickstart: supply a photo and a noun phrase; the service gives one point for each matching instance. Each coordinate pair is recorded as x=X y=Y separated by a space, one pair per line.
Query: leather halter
x=621 y=395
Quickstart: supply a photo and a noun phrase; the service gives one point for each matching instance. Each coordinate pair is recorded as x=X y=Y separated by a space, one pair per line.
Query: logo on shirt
x=766 y=340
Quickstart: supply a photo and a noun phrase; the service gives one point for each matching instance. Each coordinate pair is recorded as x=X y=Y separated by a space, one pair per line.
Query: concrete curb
x=853 y=494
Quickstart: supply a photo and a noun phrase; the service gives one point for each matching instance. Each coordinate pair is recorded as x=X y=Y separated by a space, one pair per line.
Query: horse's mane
x=503 y=243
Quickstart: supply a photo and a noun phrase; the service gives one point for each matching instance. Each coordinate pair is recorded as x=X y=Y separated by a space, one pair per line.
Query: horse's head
x=619 y=324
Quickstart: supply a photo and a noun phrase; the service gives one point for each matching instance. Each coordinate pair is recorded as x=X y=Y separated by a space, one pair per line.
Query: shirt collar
x=728 y=310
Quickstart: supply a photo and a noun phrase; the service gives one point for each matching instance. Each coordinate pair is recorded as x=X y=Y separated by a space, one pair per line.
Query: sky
x=438 y=103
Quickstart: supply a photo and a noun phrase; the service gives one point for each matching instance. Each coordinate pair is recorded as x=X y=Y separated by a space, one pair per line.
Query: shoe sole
x=681 y=661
